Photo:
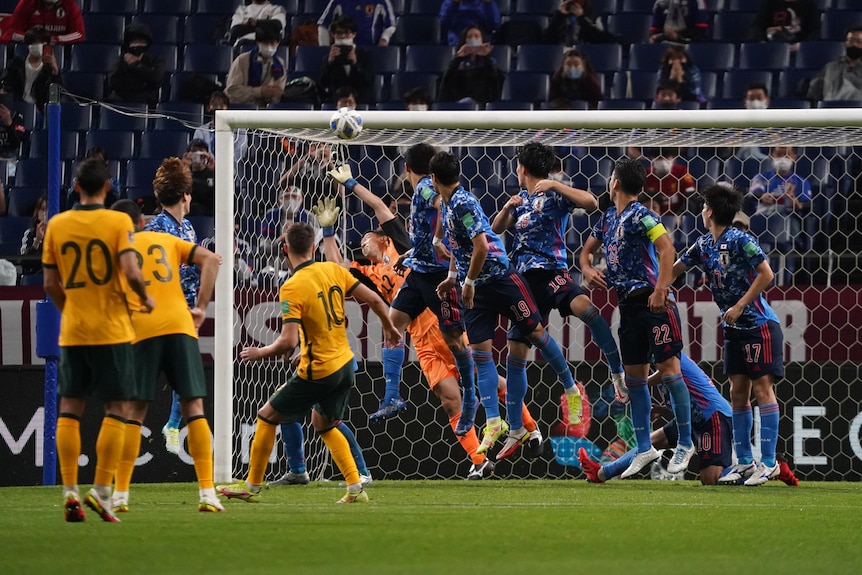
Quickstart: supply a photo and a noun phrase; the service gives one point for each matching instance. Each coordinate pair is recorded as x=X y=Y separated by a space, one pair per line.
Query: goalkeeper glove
x=327 y=214
x=343 y=175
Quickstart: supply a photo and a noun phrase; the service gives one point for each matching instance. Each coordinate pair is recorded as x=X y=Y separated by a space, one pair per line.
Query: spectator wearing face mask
x=249 y=16
x=574 y=22
x=375 y=21
x=780 y=190
x=575 y=80
x=668 y=182
x=677 y=66
x=417 y=100
x=28 y=78
x=346 y=65
x=61 y=18
x=137 y=75
x=345 y=97
x=258 y=76
x=456 y=16
x=473 y=73
x=756 y=98
x=202 y=165
x=206 y=132
x=841 y=79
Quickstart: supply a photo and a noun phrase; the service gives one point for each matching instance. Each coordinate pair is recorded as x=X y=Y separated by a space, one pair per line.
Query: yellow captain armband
x=656 y=232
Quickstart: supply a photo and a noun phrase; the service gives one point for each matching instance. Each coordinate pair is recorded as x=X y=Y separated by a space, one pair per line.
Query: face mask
x=292 y=206
x=853 y=52
x=574 y=73
x=782 y=165
x=755 y=104
x=343 y=42
x=266 y=50
x=661 y=167
x=474 y=42
x=137 y=49
x=35 y=50
x=417 y=107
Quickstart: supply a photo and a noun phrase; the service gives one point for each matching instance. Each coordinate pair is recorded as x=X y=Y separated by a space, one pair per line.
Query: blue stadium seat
x=216 y=6
x=163 y=26
x=140 y=173
x=839 y=104
x=633 y=28
x=603 y=7
x=525 y=87
x=35 y=279
x=713 y=55
x=646 y=56
x=417 y=29
x=205 y=59
x=709 y=84
x=12 y=231
x=834 y=23
x=641 y=83
x=543 y=7
x=204 y=226
x=168 y=53
x=793 y=83
x=519 y=29
x=406 y=81
x=764 y=56
x=190 y=113
x=509 y=105
x=604 y=57
x=89 y=85
x=132 y=118
x=75 y=117
x=815 y=55
x=725 y=104
x=387 y=59
x=68 y=144
x=399 y=6
x=179 y=79
x=841 y=5
x=637 y=6
x=740 y=5
x=22 y=200
x=309 y=59
x=732 y=26
x=622 y=104
x=573 y=105
x=163 y=143
x=390 y=105
x=126 y=7
x=788 y=104
x=107 y=28
x=290 y=106
x=538 y=58
x=31 y=173
x=427 y=58
x=201 y=28
x=137 y=193
x=174 y=7
x=502 y=55
x=454 y=106
x=314 y=6
x=736 y=81
x=427 y=7
x=93 y=57
x=119 y=144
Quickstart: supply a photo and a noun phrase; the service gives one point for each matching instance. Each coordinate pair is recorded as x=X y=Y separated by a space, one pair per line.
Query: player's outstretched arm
x=129 y=266
x=593 y=277
x=504 y=218
x=327 y=216
x=208 y=263
x=391 y=335
x=583 y=198
x=344 y=176
x=287 y=341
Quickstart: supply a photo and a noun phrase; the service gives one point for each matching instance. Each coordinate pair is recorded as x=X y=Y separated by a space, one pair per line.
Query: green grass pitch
x=496 y=527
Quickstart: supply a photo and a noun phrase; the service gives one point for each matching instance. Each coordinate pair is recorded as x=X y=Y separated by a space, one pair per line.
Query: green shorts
x=328 y=396
x=106 y=371
x=179 y=356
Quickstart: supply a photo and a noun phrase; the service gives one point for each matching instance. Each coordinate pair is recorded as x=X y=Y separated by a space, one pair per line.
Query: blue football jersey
x=631 y=255
x=729 y=264
x=463 y=220
x=421 y=227
x=539 y=230
x=190 y=275
x=705 y=398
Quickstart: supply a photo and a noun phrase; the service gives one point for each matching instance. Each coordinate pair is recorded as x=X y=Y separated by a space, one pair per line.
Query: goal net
x=807 y=223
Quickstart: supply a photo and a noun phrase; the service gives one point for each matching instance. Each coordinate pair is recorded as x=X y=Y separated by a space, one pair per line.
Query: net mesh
x=810 y=230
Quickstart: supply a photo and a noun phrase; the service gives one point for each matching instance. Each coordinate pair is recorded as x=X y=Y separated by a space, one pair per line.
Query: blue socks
x=743 y=420
x=292 y=437
x=680 y=401
x=393 y=361
x=467 y=379
x=176 y=414
x=354 y=446
x=641 y=408
x=768 y=433
x=616 y=468
x=601 y=333
x=516 y=390
x=487 y=378
x=554 y=356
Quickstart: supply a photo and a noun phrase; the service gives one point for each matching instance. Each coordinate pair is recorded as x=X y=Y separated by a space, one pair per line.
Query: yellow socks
x=109 y=446
x=68 y=448
x=340 y=449
x=131 y=449
x=201 y=449
x=261 y=447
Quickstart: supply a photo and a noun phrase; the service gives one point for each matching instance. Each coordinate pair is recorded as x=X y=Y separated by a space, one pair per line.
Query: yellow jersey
x=160 y=256
x=314 y=297
x=84 y=244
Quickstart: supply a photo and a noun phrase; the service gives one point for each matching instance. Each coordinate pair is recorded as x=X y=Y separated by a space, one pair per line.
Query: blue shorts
x=712 y=437
x=551 y=289
x=419 y=292
x=509 y=296
x=754 y=352
x=646 y=336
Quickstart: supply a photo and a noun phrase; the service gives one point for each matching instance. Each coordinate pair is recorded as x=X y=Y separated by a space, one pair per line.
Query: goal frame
x=226 y=121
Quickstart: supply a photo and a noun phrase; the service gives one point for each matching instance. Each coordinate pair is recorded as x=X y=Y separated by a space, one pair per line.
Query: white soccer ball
x=346 y=123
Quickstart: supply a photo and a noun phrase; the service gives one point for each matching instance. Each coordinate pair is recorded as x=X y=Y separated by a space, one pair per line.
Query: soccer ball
x=346 y=123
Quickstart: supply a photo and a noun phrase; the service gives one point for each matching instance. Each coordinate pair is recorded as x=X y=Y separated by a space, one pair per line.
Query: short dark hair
x=757 y=86
x=538 y=159
x=573 y=53
x=219 y=96
x=92 y=175
x=130 y=208
x=674 y=52
x=462 y=39
x=446 y=168
x=300 y=237
x=418 y=157
x=416 y=95
x=670 y=85
x=343 y=22
x=724 y=201
x=343 y=92
x=267 y=32
x=37 y=34
x=631 y=175
x=173 y=180
x=196 y=145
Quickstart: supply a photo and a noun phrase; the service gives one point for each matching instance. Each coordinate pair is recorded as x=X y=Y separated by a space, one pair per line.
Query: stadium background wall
x=821 y=415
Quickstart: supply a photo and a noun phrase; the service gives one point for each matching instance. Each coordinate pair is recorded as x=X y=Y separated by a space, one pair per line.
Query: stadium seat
x=179 y=80
x=132 y=118
x=834 y=23
x=725 y=104
x=399 y=6
x=604 y=57
x=509 y=105
x=637 y=85
x=637 y=6
x=793 y=83
x=573 y=105
x=709 y=84
x=107 y=28
x=426 y=7
x=216 y=6
x=454 y=106
x=417 y=29
x=380 y=87
x=189 y=113
x=525 y=87
x=538 y=58
x=732 y=26
x=119 y=144
x=137 y=193
x=75 y=117
x=839 y=104
x=543 y=7
x=788 y=104
x=841 y=5
x=633 y=28
x=163 y=26
x=163 y=143
x=168 y=53
x=764 y=56
x=89 y=85
x=32 y=173
x=290 y=106
x=309 y=59
x=36 y=279
x=204 y=28
x=716 y=56
x=68 y=144
x=93 y=57
x=604 y=7
x=427 y=58
x=205 y=59
x=519 y=29
x=390 y=105
x=174 y=7
x=684 y=105
x=22 y=200
x=125 y=7
x=314 y=6
x=735 y=82
x=387 y=59
x=815 y=55
x=646 y=56
x=406 y=81
x=502 y=55
x=622 y=104
x=204 y=226
x=140 y=173
x=12 y=231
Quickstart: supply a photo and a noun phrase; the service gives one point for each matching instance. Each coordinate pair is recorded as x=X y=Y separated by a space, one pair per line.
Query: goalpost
x=811 y=250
